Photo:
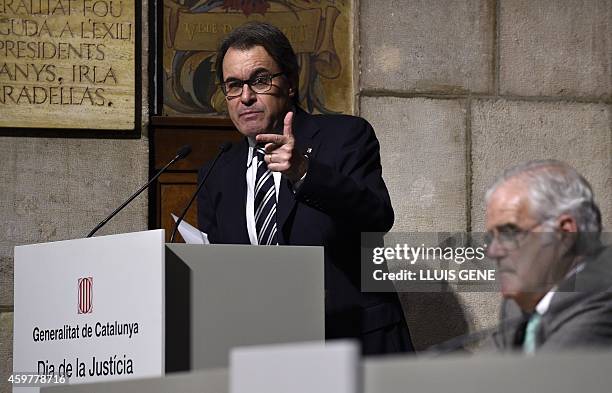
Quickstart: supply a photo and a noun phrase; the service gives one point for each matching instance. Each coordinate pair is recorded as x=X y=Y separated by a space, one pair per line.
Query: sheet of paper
x=191 y=234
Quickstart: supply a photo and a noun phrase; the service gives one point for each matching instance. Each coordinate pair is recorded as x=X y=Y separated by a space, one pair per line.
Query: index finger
x=288 y=124
x=271 y=138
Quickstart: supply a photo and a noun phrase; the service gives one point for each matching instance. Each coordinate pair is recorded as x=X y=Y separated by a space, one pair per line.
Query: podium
x=562 y=372
x=129 y=306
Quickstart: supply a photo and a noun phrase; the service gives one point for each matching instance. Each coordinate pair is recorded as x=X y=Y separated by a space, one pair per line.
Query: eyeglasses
x=509 y=237
x=258 y=84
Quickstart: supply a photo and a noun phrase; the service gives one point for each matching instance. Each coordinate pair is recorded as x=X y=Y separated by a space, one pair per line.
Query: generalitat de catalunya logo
x=85 y=295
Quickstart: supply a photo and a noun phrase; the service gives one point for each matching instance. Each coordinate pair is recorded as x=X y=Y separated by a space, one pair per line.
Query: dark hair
x=273 y=40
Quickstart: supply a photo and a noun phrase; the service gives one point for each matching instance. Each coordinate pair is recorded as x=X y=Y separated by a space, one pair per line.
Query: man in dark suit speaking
x=544 y=231
x=298 y=179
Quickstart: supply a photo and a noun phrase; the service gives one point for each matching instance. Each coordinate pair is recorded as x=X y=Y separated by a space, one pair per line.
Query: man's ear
x=567 y=228
x=566 y=223
x=291 y=92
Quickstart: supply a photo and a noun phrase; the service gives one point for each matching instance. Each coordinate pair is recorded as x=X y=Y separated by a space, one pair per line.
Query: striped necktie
x=530 y=341
x=265 y=202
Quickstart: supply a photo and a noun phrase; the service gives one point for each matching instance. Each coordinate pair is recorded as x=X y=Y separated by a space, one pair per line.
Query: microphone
x=222 y=149
x=180 y=154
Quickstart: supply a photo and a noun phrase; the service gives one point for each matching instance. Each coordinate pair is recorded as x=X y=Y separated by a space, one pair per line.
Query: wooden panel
x=174 y=192
x=204 y=145
x=191 y=122
x=175 y=187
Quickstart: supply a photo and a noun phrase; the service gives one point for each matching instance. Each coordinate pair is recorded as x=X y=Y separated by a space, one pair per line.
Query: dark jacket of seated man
x=579 y=314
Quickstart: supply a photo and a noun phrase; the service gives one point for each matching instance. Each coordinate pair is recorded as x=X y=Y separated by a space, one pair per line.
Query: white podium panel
x=296 y=368
x=92 y=309
x=127 y=306
x=238 y=295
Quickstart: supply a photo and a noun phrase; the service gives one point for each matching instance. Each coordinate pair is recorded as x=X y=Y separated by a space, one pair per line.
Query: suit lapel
x=512 y=324
x=235 y=197
x=305 y=130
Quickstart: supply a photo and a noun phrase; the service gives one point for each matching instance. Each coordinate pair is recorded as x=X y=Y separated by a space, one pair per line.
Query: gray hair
x=555 y=188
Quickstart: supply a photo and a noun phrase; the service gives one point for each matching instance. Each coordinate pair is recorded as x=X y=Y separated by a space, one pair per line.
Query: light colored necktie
x=529 y=343
x=265 y=202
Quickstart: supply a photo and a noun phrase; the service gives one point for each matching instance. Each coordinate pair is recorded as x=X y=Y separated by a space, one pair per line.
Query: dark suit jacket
x=342 y=195
x=580 y=313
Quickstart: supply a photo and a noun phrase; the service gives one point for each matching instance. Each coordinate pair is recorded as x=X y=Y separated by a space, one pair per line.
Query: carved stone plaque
x=67 y=64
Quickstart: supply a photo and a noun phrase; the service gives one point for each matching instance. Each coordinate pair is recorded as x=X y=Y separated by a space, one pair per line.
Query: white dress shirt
x=251 y=177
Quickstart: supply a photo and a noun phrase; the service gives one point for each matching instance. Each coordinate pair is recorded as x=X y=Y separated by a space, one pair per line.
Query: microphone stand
x=222 y=149
x=182 y=153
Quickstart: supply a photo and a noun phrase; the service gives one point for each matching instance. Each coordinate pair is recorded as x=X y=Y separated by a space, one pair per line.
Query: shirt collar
x=544 y=303
x=250 y=154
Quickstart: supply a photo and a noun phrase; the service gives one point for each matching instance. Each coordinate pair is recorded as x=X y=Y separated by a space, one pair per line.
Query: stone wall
x=458 y=90
x=56 y=189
